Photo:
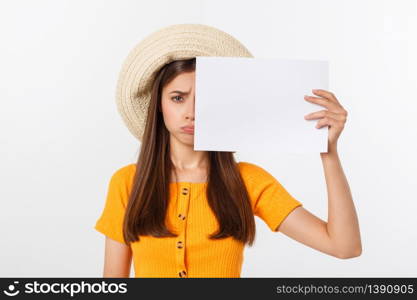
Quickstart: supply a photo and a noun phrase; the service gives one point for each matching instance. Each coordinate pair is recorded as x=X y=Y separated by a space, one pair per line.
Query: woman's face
x=177 y=101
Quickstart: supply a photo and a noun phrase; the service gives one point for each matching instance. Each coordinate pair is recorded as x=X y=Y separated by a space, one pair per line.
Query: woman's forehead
x=183 y=82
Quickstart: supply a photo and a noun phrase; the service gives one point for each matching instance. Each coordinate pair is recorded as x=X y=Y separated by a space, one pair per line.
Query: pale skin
x=338 y=237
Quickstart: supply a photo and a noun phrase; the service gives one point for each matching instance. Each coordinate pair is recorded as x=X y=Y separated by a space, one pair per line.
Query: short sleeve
x=270 y=200
x=110 y=223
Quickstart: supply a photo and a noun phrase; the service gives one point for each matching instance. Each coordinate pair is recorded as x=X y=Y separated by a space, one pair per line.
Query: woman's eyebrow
x=180 y=92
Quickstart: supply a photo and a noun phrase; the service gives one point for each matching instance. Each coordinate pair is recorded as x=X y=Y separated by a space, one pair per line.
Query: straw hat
x=175 y=42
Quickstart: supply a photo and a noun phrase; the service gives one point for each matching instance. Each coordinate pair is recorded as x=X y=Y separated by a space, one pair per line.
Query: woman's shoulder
x=252 y=170
x=124 y=173
x=245 y=165
x=256 y=176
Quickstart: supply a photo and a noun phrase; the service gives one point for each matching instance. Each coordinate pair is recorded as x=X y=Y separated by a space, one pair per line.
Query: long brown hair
x=148 y=201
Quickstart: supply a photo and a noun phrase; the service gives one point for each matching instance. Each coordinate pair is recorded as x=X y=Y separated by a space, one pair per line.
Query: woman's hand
x=334 y=116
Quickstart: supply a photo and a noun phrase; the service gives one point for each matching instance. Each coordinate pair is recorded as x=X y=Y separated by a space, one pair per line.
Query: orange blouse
x=192 y=253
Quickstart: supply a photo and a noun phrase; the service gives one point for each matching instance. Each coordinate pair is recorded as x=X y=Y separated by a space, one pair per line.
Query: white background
x=62 y=138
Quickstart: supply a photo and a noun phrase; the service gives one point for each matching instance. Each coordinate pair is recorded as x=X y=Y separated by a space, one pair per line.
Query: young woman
x=184 y=213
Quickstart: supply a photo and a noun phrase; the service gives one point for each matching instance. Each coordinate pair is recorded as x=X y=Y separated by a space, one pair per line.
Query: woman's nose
x=191 y=108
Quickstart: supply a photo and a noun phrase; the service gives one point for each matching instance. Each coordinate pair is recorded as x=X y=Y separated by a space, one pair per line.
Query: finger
x=323 y=102
x=328 y=121
x=325 y=94
x=326 y=113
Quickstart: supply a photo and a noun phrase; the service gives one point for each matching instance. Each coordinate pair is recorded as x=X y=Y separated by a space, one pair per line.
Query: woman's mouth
x=189 y=130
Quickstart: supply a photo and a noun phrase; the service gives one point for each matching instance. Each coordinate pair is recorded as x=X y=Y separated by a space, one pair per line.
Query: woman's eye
x=175 y=97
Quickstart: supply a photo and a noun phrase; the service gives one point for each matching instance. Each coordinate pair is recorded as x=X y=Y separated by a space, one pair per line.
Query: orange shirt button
x=184 y=191
x=181 y=216
x=182 y=273
x=179 y=245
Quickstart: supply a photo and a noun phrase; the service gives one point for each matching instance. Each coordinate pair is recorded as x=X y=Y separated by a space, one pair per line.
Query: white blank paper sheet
x=257 y=104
